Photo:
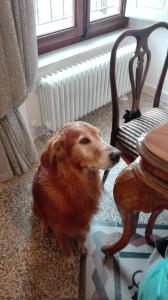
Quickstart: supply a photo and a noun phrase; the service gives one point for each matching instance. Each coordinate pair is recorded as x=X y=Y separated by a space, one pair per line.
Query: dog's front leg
x=67 y=252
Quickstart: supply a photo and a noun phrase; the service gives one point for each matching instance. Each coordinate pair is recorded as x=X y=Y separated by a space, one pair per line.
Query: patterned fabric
x=154 y=283
x=18 y=64
x=18 y=52
x=118 y=276
x=131 y=131
x=17 y=151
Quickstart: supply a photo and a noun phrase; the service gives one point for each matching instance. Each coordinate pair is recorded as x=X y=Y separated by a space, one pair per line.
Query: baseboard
x=151 y=89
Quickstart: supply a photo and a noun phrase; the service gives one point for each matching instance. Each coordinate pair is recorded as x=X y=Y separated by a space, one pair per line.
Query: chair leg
x=130 y=221
x=149 y=228
x=105 y=175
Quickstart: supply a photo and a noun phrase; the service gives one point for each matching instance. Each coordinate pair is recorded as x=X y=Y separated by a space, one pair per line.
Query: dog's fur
x=67 y=187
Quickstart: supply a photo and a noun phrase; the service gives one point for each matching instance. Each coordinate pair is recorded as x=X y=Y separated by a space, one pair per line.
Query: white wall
x=158 y=45
x=33 y=112
x=23 y=111
x=152 y=10
x=148 y=9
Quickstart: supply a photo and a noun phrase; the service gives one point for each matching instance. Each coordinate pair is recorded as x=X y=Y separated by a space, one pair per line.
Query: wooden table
x=142 y=186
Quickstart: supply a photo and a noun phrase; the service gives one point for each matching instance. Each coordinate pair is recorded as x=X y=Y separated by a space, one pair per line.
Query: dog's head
x=80 y=144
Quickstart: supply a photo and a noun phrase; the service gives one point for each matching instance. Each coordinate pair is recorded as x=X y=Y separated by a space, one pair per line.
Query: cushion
x=129 y=133
x=154 y=282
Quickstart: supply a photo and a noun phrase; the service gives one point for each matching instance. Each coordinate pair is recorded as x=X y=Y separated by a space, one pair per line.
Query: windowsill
x=63 y=57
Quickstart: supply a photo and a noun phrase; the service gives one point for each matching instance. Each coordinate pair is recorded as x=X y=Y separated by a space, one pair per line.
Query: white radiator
x=73 y=92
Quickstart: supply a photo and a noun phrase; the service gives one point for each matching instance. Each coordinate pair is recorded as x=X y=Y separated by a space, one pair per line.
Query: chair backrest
x=137 y=75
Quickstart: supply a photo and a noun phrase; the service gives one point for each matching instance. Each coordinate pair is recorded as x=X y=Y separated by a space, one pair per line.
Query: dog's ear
x=53 y=153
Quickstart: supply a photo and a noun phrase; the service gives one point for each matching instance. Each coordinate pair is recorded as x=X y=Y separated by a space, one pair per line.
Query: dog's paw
x=70 y=261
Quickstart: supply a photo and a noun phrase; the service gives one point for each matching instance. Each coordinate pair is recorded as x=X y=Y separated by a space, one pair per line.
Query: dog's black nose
x=115 y=155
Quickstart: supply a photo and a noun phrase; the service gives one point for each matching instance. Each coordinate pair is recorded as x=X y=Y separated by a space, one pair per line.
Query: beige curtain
x=18 y=64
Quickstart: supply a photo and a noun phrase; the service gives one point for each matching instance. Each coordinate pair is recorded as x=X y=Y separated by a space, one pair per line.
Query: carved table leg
x=151 y=222
x=135 y=191
x=129 y=227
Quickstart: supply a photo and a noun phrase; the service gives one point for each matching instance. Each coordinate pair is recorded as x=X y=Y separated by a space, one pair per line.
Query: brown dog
x=67 y=187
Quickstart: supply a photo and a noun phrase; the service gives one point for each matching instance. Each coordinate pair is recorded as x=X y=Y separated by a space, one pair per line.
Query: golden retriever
x=67 y=187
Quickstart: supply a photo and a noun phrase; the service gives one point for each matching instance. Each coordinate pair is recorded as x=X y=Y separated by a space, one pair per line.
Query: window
x=104 y=8
x=63 y=22
x=54 y=15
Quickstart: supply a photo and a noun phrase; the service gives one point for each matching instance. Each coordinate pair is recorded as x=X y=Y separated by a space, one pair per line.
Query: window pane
x=53 y=15
x=100 y=9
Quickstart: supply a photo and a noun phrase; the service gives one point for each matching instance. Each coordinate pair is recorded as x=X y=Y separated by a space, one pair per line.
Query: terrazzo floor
x=31 y=265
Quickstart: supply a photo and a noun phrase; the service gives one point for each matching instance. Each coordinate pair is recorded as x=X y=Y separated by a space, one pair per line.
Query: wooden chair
x=125 y=137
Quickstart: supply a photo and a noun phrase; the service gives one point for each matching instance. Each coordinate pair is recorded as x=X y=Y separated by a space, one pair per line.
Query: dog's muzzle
x=115 y=156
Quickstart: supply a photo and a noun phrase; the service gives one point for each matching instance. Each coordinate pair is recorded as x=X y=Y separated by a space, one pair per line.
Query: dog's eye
x=85 y=140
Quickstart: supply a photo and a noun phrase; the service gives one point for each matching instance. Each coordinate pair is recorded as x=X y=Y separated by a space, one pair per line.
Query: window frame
x=83 y=29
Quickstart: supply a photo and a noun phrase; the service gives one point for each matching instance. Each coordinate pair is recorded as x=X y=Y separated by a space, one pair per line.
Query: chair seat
x=129 y=133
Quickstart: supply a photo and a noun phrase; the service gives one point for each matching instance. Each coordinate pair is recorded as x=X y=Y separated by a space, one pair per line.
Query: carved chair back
x=137 y=75
x=125 y=137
